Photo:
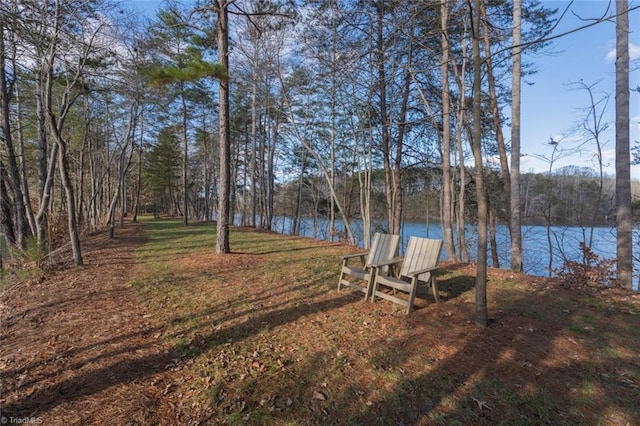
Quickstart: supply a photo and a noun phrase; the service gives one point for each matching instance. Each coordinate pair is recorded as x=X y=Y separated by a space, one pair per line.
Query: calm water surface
x=565 y=241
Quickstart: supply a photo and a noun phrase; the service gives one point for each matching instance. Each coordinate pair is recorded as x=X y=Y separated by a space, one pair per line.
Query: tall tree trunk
x=447 y=213
x=42 y=219
x=6 y=222
x=462 y=125
x=382 y=103
x=295 y=229
x=270 y=182
x=185 y=160
x=254 y=137
x=124 y=163
x=624 y=223
x=43 y=148
x=398 y=201
x=495 y=109
x=390 y=176
x=222 y=230
x=63 y=167
x=138 y=186
x=548 y=207
x=262 y=171
x=243 y=204
x=30 y=217
x=55 y=125
x=482 y=316
x=80 y=164
x=206 y=168
x=493 y=237
x=364 y=181
x=13 y=171
x=515 y=212
x=332 y=157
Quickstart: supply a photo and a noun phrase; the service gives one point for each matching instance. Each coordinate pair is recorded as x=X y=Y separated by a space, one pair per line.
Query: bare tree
x=392 y=145
x=74 y=59
x=127 y=150
x=493 y=102
x=592 y=126
x=21 y=224
x=447 y=205
x=556 y=154
x=460 y=71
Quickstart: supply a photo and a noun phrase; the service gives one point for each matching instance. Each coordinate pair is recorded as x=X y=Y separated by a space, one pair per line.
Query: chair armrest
x=350 y=256
x=387 y=262
x=422 y=271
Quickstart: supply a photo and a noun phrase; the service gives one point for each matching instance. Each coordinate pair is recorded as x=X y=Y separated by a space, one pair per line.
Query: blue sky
x=551 y=107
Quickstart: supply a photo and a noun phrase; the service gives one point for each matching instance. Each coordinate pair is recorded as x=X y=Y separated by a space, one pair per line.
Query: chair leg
x=367 y=292
x=412 y=294
x=373 y=290
x=434 y=284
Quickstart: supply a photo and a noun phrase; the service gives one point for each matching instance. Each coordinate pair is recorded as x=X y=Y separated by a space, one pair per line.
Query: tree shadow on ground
x=523 y=369
x=82 y=384
x=303 y=352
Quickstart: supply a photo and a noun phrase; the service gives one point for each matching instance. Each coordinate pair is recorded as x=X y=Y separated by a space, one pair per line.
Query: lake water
x=565 y=241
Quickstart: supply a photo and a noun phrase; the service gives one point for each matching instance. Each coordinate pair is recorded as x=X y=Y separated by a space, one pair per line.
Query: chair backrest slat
x=384 y=247
x=421 y=253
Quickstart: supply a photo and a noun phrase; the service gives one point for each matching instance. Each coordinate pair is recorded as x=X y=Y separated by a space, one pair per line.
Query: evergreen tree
x=162 y=170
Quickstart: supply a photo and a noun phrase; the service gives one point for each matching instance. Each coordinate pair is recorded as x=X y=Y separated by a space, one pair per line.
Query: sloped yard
x=158 y=329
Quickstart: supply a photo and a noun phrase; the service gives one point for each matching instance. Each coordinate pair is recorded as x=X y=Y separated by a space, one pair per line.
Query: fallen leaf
x=23 y=380
x=319 y=396
x=481 y=404
x=167 y=389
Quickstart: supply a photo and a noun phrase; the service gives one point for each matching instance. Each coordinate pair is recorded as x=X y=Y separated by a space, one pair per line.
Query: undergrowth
x=594 y=270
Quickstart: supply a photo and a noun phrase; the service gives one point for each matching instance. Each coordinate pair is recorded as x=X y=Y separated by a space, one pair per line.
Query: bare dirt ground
x=79 y=347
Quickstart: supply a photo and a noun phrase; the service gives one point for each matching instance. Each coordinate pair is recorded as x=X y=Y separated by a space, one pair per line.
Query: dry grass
x=180 y=335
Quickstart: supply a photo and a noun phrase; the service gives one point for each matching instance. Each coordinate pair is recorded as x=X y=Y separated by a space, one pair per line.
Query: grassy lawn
x=262 y=336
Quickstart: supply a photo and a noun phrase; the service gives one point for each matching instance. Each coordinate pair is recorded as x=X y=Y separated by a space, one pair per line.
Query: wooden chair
x=383 y=248
x=419 y=264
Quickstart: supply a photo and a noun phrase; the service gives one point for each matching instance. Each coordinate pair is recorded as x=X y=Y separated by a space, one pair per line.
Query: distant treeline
x=570 y=195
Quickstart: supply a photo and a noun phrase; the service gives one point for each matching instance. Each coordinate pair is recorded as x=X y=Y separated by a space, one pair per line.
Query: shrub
x=593 y=271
